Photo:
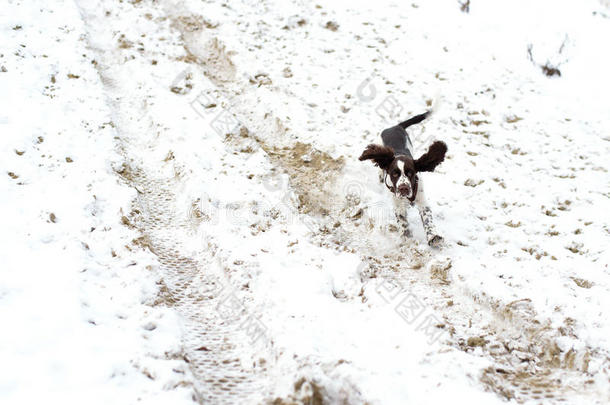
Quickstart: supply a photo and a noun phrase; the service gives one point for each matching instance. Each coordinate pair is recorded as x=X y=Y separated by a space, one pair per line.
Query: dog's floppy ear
x=381 y=155
x=429 y=160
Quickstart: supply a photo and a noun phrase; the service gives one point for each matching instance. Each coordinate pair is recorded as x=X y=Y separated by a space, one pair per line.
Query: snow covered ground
x=185 y=218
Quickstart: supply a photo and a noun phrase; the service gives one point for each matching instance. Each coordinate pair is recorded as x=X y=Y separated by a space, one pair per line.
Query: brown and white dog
x=395 y=158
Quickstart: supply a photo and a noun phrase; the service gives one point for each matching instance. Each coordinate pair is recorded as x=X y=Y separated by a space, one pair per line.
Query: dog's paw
x=436 y=241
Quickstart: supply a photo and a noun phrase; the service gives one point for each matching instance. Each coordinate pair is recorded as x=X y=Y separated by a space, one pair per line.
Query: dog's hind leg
x=400 y=210
x=432 y=237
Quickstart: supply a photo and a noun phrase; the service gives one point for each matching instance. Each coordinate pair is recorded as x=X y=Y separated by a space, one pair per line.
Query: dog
x=395 y=159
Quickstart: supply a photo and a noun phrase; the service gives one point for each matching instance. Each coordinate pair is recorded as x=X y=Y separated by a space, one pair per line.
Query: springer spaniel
x=395 y=159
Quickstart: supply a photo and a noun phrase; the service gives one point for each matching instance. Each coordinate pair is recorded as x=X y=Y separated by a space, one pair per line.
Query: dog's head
x=402 y=170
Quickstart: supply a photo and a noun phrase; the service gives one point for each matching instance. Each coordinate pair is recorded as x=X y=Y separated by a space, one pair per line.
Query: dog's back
x=397 y=138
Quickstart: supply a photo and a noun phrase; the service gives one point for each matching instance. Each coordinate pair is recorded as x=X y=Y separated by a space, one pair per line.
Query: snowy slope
x=77 y=297
x=242 y=254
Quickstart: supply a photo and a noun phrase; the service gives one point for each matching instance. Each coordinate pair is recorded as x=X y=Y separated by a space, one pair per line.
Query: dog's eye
x=396 y=173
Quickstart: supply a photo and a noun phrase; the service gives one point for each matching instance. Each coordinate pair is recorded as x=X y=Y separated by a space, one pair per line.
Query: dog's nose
x=404 y=189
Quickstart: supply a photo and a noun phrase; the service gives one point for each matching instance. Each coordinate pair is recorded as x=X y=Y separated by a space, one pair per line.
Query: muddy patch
x=305 y=392
x=312 y=173
x=519 y=385
x=529 y=363
x=316 y=384
x=204 y=49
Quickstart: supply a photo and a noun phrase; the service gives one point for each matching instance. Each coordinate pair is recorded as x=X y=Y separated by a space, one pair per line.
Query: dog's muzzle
x=404 y=190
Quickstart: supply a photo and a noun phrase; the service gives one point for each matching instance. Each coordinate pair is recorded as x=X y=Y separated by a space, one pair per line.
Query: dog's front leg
x=400 y=210
x=433 y=238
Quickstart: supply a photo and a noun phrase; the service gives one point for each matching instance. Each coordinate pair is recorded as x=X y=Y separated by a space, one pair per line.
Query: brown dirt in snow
x=305 y=392
x=206 y=51
x=312 y=174
x=528 y=362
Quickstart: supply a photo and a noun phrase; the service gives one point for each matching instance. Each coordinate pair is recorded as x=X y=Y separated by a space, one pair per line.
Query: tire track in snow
x=222 y=358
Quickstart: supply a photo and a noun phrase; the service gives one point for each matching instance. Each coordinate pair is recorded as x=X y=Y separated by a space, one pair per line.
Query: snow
x=75 y=296
x=141 y=243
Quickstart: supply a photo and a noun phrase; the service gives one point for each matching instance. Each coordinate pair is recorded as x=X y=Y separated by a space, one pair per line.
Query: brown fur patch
x=429 y=160
x=381 y=155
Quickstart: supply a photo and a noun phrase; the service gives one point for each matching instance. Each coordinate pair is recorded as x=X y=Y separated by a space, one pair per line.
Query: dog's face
x=402 y=170
x=402 y=175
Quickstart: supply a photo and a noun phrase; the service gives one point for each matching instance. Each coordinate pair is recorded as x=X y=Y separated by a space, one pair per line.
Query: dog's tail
x=415 y=120
x=419 y=118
